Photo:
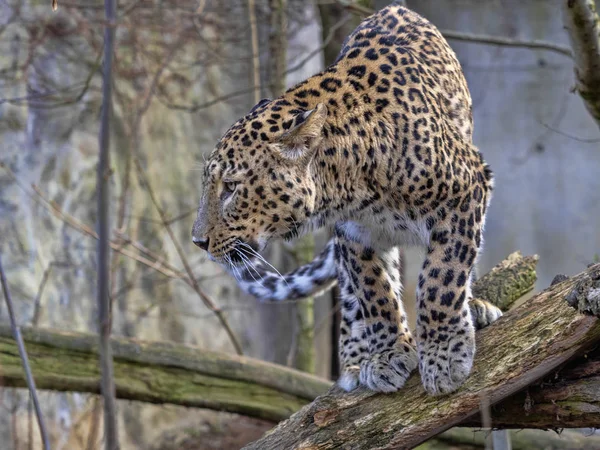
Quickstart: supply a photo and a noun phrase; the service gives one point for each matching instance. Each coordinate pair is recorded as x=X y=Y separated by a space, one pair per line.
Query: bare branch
x=475 y=38
x=162 y=372
x=210 y=304
x=583 y=26
x=157 y=264
x=16 y=332
x=506 y=42
x=330 y=35
x=111 y=438
x=255 y=49
x=38 y=297
x=208 y=104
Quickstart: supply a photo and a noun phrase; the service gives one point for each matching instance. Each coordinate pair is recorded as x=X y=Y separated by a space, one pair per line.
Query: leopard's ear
x=303 y=134
x=261 y=103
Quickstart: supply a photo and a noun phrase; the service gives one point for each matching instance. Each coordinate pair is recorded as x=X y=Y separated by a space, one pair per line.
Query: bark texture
x=568 y=397
x=493 y=286
x=525 y=345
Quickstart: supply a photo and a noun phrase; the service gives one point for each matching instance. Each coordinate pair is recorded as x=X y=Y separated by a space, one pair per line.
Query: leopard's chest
x=383 y=228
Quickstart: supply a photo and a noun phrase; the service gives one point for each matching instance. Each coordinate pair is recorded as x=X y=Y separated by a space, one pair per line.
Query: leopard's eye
x=229 y=188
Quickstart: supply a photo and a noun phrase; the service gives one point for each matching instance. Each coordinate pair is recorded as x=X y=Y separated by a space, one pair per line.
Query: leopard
x=378 y=146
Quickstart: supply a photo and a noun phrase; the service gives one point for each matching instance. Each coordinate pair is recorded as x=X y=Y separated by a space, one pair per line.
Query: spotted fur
x=380 y=145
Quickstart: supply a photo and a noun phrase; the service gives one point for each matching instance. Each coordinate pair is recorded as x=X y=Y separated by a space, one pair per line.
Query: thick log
x=526 y=344
x=568 y=397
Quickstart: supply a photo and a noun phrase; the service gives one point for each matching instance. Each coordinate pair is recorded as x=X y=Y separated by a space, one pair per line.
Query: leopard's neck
x=346 y=170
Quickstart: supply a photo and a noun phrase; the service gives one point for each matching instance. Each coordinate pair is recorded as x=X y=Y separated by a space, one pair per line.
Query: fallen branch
x=566 y=398
x=159 y=372
x=526 y=344
x=583 y=26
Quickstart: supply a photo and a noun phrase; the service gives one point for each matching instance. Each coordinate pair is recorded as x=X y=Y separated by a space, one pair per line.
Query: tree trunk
x=583 y=26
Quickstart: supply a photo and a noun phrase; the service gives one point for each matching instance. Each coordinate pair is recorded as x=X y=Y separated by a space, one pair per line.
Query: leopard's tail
x=260 y=279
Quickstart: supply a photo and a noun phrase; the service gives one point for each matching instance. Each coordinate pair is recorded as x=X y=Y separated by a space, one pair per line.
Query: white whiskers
x=254 y=253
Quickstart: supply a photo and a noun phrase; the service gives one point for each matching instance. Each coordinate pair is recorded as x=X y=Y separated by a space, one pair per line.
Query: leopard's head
x=259 y=181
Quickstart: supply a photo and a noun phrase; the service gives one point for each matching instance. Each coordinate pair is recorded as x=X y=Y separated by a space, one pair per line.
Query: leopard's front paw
x=445 y=366
x=388 y=371
x=349 y=378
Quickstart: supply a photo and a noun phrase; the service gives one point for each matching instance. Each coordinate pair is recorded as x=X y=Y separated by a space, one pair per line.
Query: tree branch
x=521 y=439
x=206 y=299
x=477 y=38
x=508 y=281
x=583 y=26
x=159 y=372
x=526 y=344
x=255 y=50
x=501 y=41
x=567 y=398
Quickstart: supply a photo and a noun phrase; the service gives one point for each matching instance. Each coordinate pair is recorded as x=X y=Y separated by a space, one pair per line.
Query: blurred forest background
x=184 y=71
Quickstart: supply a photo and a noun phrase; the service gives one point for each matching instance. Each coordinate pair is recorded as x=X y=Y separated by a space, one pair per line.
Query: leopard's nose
x=201 y=242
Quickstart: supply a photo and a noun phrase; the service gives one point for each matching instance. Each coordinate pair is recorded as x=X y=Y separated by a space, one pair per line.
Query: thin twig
x=158 y=264
x=37 y=302
x=507 y=42
x=111 y=438
x=255 y=50
x=210 y=304
x=330 y=35
x=475 y=38
x=208 y=104
x=23 y=353
x=571 y=136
